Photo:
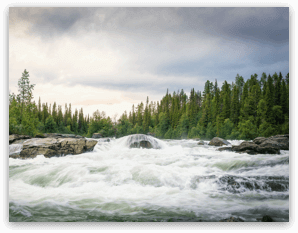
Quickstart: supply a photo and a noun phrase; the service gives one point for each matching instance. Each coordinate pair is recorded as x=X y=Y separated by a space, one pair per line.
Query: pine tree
x=235 y=105
x=25 y=90
x=39 y=110
x=269 y=98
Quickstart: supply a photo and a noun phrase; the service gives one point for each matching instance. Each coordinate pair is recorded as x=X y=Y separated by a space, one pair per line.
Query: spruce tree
x=25 y=90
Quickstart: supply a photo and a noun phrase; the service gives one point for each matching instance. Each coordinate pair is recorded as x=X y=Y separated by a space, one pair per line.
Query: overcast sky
x=111 y=58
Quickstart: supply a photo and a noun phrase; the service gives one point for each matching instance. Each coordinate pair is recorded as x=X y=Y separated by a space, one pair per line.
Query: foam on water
x=182 y=180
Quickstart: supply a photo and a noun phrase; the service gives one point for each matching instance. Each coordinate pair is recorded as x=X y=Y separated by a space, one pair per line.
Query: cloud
x=145 y=50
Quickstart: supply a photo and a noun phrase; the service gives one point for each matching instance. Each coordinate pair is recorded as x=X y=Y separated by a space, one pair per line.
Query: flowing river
x=181 y=181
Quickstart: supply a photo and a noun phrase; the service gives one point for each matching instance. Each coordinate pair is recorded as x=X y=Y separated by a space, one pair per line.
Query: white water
x=181 y=181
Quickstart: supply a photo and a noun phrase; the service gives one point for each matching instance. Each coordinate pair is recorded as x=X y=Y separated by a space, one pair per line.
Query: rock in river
x=218 y=142
x=50 y=147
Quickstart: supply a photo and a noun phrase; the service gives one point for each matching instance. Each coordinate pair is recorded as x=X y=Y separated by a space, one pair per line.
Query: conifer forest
x=242 y=109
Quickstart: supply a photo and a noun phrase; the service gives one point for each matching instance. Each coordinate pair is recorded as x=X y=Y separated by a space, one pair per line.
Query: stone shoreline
x=51 y=145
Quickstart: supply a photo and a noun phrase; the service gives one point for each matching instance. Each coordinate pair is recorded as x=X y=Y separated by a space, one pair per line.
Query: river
x=181 y=181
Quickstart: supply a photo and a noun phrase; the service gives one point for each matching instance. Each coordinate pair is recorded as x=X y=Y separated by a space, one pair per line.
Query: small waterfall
x=15 y=148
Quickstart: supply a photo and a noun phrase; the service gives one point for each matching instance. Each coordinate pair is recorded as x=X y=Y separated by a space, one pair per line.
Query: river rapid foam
x=181 y=181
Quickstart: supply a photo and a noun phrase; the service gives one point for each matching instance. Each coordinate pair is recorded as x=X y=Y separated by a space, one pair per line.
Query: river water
x=181 y=181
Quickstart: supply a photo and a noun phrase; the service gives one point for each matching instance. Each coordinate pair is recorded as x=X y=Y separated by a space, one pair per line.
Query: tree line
x=240 y=110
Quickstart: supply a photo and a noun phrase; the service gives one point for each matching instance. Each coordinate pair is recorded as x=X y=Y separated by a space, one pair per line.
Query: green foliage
x=169 y=133
x=266 y=129
x=248 y=130
x=210 y=131
x=227 y=128
x=50 y=125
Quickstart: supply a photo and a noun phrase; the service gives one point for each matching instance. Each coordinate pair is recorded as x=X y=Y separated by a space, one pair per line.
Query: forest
x=240 y=110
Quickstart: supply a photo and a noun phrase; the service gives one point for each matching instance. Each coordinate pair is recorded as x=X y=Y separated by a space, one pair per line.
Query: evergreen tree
x=50 y=125
x=25 y=90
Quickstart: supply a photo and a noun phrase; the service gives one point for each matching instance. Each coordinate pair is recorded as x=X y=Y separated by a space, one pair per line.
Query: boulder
x=97 y=135
x=261 y=145
x=218 y=142
x=51 y=146
x=201 y=143
x=282 y=141
x=252 y=148
x=141 y=144
x=245 y=146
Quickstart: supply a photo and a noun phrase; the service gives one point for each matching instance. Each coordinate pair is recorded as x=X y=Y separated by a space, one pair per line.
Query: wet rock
x=141 y=144
x=58 y=135
x=218 y=142
x=259 y=140
x=50 y=147
x=245 y=146
x=282 y=141
x=225 y=149
x=266 y=147
x=232 y=219
x=267 y=218
x=200 y=143
x=142 y=141
x=15 y=137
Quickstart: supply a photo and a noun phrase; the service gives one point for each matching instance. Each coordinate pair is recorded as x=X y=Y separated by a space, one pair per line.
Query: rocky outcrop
x=261 y=145
x=15 y=138
x=58 y=135
x=51 y=146
x=218 y=142
x=270 y=145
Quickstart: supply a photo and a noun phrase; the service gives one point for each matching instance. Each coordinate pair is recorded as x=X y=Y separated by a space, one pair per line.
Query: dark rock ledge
x=262 y=145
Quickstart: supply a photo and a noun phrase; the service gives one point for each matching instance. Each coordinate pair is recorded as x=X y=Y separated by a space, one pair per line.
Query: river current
x=181 y=181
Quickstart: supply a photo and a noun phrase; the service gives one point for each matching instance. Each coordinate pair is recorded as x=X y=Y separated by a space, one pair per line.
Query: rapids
x=181 y=181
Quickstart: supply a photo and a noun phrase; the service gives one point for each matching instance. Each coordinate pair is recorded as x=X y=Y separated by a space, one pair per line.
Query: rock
x=218 y=142
x=225 y=148
x=57 y=135
x=97 y=135
x=259 y=140
x=261 y=145
x=141 y=144
x=267 y=218
x=14 y=137
x=232 y=219
x=281 y=140
x=201 y=143
x=51 y=146
x=245 y=146
x=265 y=147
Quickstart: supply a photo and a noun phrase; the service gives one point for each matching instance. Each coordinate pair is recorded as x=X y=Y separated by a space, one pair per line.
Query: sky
x=109 y=58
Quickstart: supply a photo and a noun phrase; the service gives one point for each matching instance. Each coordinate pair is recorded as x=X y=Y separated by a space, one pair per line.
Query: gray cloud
x=176 y=47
